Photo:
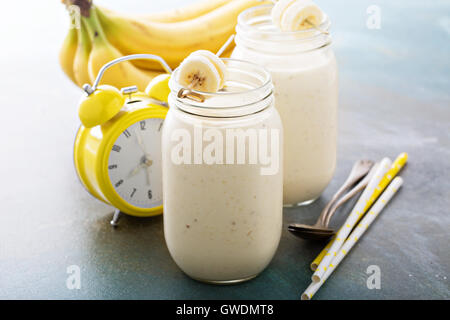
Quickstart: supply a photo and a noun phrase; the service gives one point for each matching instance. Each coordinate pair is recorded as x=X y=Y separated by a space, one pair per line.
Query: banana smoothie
x=305 y=77
x=306 y=99
x=223 y=208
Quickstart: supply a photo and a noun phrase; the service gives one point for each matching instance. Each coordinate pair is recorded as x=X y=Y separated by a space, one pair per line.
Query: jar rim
x=229 y=103
x=246 y=24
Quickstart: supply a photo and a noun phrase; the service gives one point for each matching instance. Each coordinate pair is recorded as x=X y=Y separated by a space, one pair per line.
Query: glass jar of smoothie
x=222 y=177
x=304 y=73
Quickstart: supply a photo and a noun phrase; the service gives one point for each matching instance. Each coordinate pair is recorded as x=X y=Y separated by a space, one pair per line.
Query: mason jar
x=222 y=177
x=305 y=76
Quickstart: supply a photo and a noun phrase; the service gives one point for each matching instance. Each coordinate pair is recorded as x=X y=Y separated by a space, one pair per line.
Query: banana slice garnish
x=218 y=63
x=203 y=71
x=294 y=15
x=278 y=10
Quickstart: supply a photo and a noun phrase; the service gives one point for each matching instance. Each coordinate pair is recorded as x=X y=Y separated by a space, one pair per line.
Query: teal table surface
x=394 y=97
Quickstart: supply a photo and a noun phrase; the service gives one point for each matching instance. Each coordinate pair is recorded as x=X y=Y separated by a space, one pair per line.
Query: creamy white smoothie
x=306 y=99
x=304 y=73
x=222 y=221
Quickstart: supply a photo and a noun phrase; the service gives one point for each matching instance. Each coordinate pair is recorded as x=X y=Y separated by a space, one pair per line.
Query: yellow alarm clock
x=117 y=150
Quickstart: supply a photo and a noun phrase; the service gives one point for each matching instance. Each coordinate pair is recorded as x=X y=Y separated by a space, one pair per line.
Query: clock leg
x=115 y=219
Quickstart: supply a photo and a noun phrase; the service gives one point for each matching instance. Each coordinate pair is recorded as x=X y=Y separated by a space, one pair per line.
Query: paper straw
x=398 y=164
x=322 y=254
x=225 y=45
x=355 y=235
x=352 y=219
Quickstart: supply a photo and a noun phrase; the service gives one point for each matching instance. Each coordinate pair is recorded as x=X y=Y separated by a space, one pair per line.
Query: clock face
x=134 y=164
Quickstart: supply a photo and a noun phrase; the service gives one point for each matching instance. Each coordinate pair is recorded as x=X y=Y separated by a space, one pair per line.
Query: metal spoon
x=320 y=229
x=307 y=233
x=361 y=185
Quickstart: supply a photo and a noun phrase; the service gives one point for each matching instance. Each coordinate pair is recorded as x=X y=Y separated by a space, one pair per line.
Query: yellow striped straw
x=396 y=166
x=377 y=173
x=356 y=234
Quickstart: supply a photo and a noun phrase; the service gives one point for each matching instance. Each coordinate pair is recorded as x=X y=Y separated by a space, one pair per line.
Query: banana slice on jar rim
x=218 y=63
x=202 y=70
x=294 y=15
x=279 y=8
x=301 y=16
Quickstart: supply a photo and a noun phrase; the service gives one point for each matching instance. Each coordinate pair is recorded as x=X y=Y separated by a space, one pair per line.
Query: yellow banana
x=120 y=75
x=173 y=41
x=67 y=53
x=184 y=13
x=80 y=63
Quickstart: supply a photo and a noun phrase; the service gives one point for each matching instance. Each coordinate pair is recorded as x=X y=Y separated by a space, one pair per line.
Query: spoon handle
x=361 y=185
x=352 y=178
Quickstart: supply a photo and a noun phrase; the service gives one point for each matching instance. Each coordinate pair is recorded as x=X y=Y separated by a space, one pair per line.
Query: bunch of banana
x=104 y=35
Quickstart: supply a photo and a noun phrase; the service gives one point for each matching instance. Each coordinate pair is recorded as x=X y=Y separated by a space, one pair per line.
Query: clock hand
x=141 y=144
x=148 y=163
x=136 y=170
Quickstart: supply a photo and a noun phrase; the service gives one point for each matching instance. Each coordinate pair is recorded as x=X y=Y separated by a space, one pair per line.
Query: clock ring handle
x=87 y=87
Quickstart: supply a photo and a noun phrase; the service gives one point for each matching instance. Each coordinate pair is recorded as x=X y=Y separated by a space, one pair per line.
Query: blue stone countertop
x=394 y=97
